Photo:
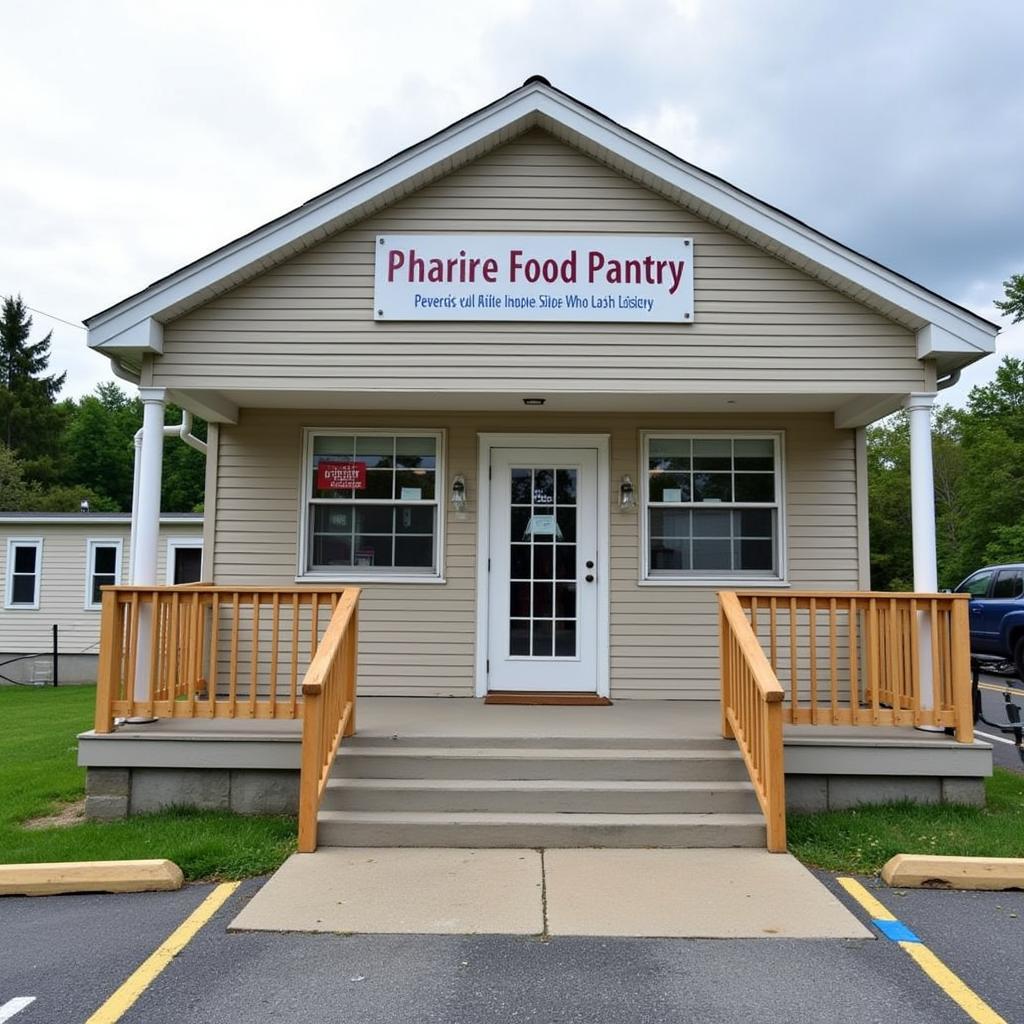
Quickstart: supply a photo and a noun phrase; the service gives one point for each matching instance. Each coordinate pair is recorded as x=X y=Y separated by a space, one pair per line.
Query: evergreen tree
x=31 y=421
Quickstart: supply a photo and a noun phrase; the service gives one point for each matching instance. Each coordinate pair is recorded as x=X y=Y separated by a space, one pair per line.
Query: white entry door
x=542 y=584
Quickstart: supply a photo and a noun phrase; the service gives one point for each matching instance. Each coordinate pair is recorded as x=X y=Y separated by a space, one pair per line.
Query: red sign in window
x=341 y=476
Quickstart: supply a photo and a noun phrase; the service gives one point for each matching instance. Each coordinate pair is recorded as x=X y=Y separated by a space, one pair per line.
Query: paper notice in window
x=672 y=494
x=411 y=494
x=341 y=476
x=543 y=526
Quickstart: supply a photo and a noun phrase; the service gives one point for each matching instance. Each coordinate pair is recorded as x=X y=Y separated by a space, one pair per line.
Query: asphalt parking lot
x=71 y=952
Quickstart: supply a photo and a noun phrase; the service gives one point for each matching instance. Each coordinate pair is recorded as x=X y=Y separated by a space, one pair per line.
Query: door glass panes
x=542 y=561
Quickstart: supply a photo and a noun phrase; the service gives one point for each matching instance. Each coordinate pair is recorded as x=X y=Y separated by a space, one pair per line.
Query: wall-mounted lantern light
x=459 y=494
x=627 y=495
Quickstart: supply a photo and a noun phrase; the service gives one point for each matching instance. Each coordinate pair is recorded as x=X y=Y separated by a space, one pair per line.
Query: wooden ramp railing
x=205 y=651
x=837 y=659
x=868 y=659
x=329 y=700
x=752 y=713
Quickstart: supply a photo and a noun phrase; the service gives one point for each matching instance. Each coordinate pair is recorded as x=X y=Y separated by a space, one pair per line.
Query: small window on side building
x=103 y=569
x=24 y=566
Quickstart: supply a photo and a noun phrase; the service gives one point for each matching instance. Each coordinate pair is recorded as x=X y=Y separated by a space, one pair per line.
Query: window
x=373 y=504
x=976 y=585
x=184 y=560
x=712 y=506
x=185 y=563
x=1009 y=584
x=103 y=569
x=24 y=564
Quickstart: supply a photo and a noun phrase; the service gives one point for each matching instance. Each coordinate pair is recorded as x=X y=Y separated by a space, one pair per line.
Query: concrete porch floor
x=382 y=717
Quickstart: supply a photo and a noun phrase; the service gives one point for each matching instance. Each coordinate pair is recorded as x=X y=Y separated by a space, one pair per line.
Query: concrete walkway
x=725 y=893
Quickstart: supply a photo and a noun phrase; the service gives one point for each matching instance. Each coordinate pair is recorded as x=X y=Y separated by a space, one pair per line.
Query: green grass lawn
x=38 y=775
x=862 y=840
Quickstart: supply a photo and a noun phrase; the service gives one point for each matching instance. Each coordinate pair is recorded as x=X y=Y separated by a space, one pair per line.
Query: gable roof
x=946 y=331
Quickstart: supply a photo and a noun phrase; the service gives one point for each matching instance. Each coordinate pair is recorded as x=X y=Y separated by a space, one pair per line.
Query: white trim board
x=600 y=442
x=134 y=324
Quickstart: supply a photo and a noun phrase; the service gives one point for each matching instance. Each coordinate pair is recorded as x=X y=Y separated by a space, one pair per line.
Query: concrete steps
x=479 y=830
x=577 y=763
x=545 y=795
x=519 y=792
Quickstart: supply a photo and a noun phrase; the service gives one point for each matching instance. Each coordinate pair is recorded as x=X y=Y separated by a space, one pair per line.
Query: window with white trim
x=373 y=503
x=102 y=569
x=712 y=506
x=24 y=565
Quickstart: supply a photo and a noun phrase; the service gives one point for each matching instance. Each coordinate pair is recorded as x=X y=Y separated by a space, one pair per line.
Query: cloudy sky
x=138 y=136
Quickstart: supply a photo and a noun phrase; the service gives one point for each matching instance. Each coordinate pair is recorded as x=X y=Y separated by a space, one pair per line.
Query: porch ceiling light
x=627 y=495
x=458 y=496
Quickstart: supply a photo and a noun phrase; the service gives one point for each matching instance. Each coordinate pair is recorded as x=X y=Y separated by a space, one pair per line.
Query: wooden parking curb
x=921 y=871
x=89 y=876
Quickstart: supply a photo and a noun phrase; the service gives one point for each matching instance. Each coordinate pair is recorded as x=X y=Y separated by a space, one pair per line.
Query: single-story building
x=536 y=412
x=53 y=565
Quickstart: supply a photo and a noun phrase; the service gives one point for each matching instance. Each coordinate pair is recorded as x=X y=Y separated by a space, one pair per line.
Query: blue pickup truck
x=997 y=614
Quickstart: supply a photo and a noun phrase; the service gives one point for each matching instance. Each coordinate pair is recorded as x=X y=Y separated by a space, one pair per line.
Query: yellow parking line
x=965 y=997
x=877 y=911
x=144 y=975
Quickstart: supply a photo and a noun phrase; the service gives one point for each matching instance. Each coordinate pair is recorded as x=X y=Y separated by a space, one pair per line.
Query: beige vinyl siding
x=62 y=583
x=760 y=323
x=419 y=639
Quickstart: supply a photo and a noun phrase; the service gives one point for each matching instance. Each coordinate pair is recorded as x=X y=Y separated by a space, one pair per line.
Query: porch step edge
x=552 y=830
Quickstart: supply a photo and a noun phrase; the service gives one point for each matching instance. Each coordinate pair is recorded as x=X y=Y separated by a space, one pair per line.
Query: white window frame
x=90 y=566
x=688 y=578
x=359 y=574
x=12 y=544
x=173 y=543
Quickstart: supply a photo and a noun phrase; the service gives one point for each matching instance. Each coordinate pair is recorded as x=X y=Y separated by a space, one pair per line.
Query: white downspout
x=182 y=430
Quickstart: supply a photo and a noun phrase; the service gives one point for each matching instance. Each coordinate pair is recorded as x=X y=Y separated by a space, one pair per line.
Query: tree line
x=56 y=453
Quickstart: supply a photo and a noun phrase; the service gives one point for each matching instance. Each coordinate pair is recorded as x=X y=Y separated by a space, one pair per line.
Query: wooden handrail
x=867 y=658
x=201 y=650
x=752 y=714
x=329 y=700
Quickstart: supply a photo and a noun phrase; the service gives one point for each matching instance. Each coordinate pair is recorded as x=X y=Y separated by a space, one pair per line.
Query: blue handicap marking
x=895 y=930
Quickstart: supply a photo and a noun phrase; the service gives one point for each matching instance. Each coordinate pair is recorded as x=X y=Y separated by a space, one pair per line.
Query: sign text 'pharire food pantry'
x=612 y=278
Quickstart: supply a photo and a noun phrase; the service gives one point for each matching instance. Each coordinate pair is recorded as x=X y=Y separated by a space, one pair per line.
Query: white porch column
x=146 y=512
x=922 y=518
x=146 y=521
x=922 y=490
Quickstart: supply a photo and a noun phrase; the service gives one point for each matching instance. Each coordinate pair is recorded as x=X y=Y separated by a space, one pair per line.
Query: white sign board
x=610 y=278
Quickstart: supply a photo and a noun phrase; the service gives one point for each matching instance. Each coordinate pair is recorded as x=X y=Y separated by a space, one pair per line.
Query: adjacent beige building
x=52 y=566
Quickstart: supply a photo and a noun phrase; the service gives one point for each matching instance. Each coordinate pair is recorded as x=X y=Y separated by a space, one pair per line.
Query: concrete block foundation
x=113 y=793
x=808 y=794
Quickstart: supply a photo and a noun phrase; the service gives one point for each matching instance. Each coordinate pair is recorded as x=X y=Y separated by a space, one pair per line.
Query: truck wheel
x=1018 y=657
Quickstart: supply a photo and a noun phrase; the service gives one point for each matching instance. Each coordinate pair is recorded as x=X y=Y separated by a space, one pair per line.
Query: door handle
x=589 y=577
x=590 y=565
